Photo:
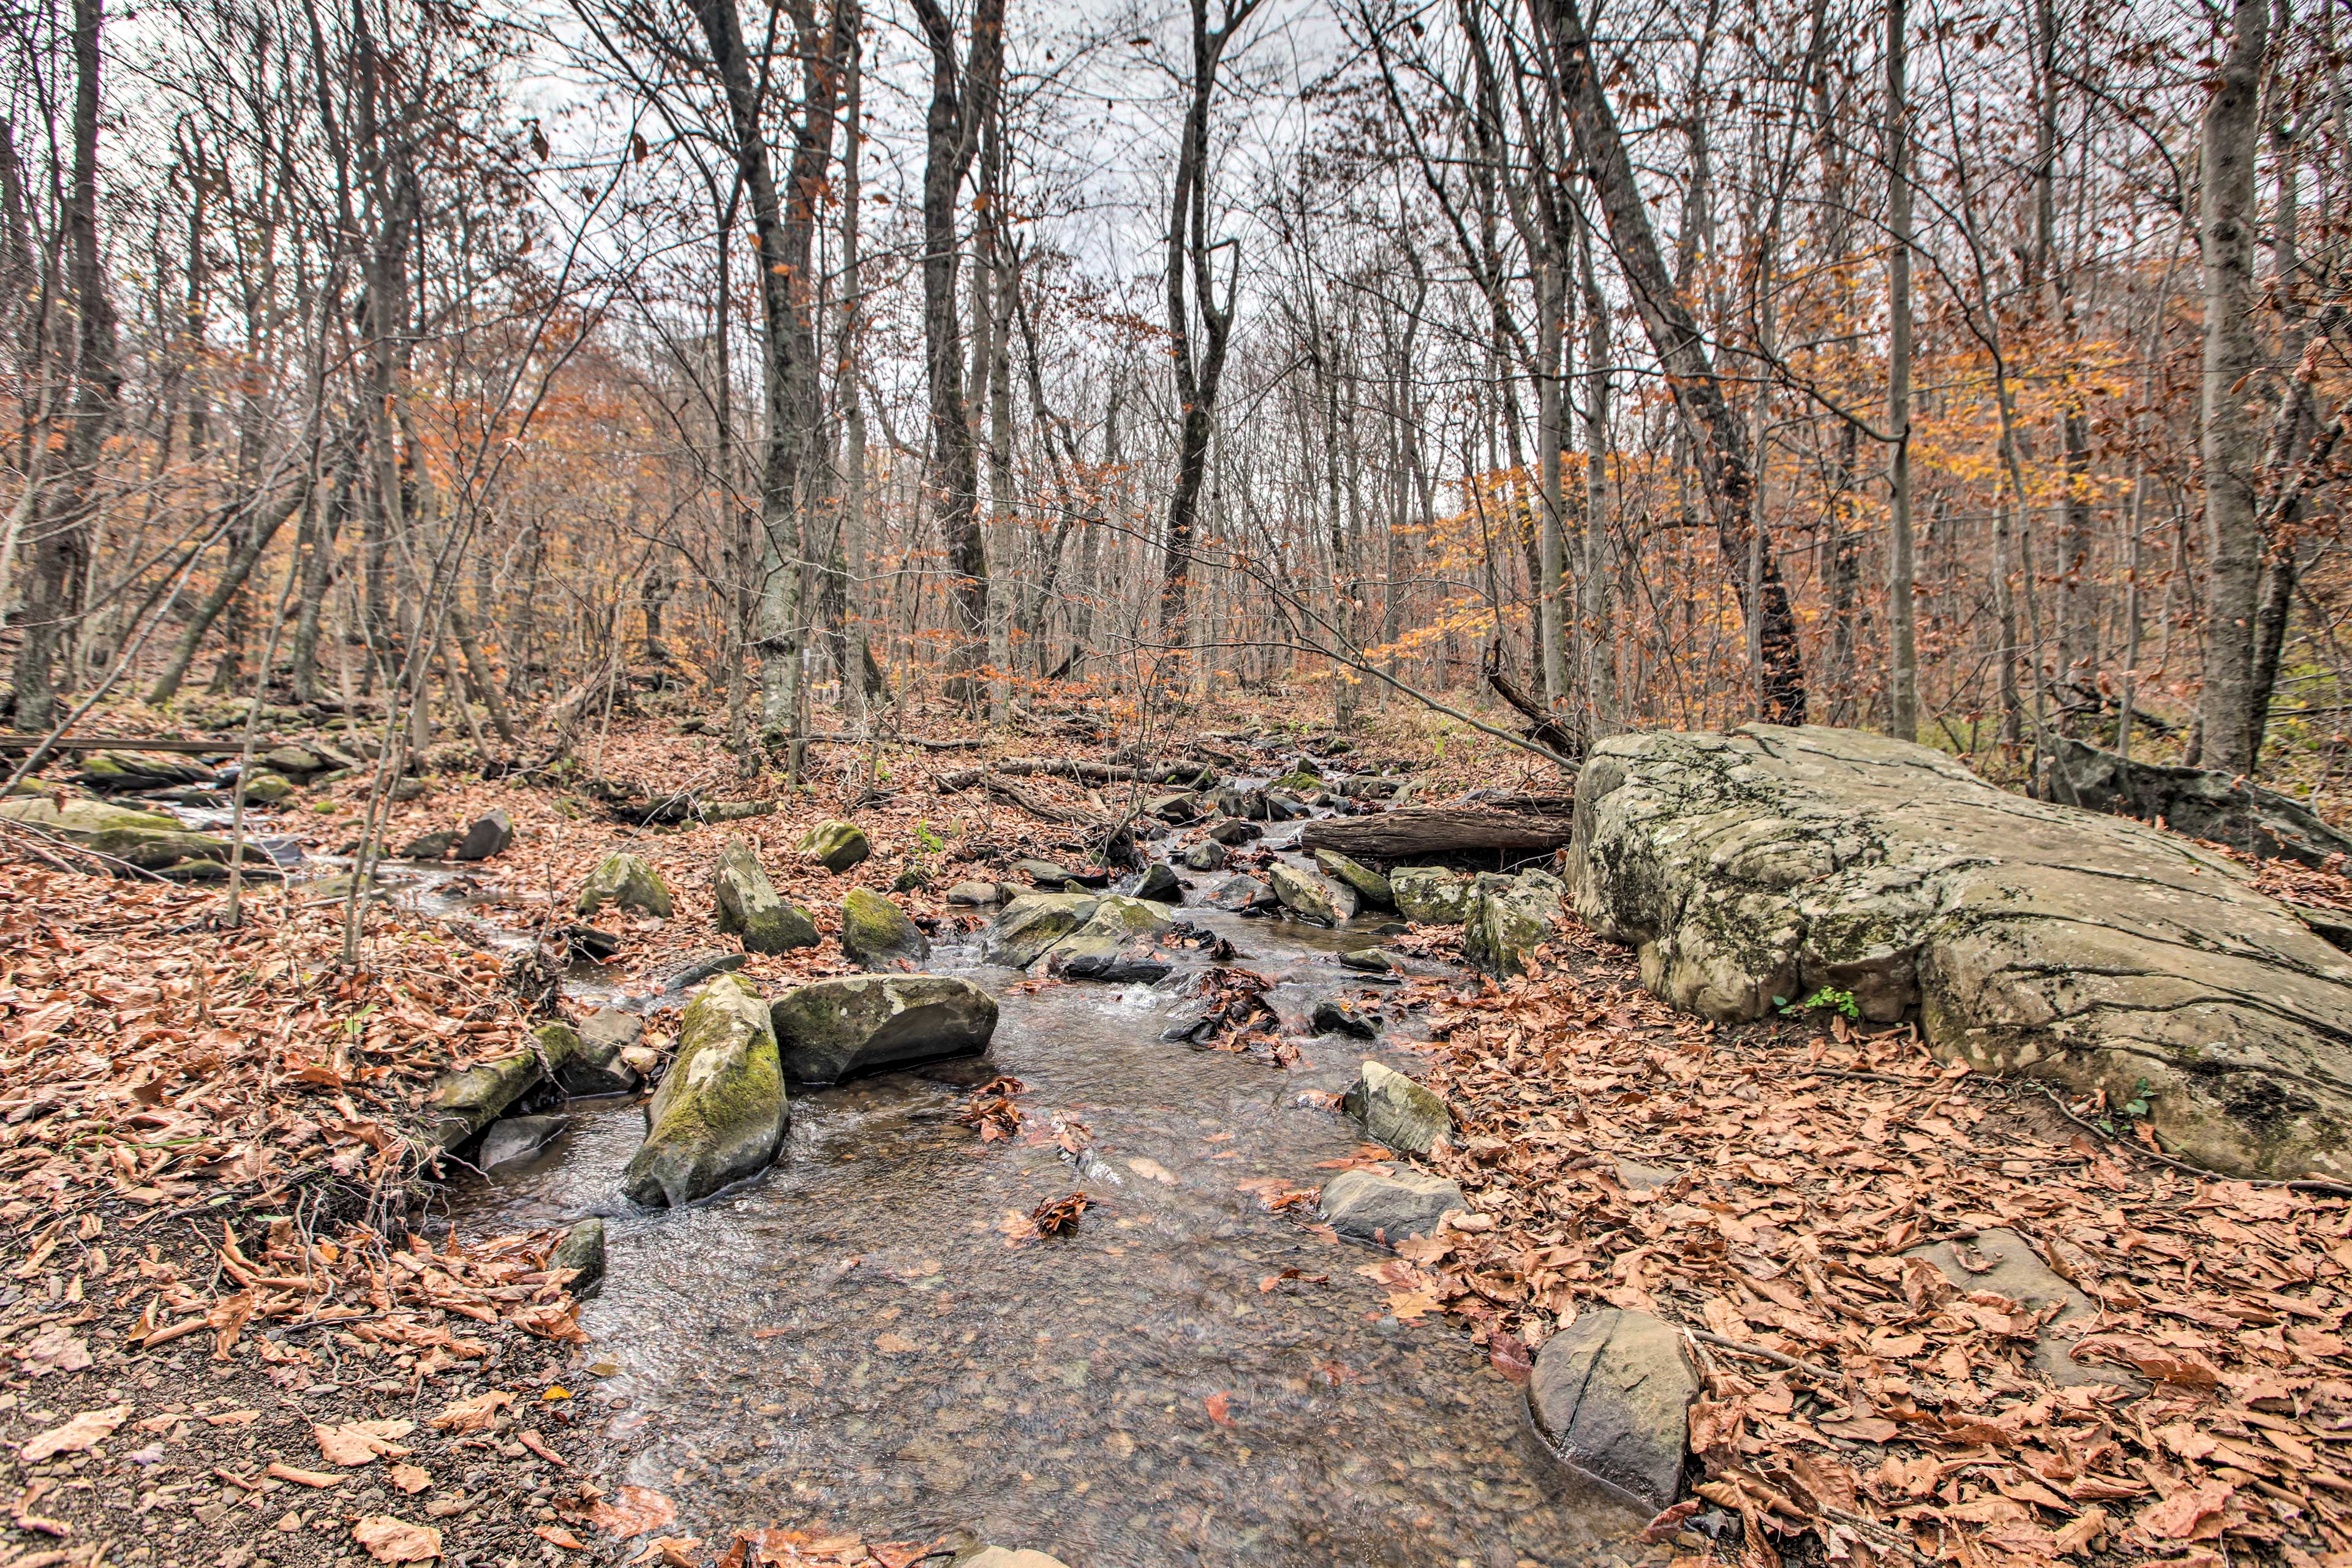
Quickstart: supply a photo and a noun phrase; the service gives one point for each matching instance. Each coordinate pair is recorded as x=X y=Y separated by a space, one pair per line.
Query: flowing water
x=870 y=1338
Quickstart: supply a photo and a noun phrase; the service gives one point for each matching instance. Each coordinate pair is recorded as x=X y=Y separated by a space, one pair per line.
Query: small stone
x=1045 y=873
x=972 y=894
x=488 y=835
x=1345 y=1016
x=835 y=845
x=914 y=878
x=1237 y=893
x=582 y=1249
x=628 y=882
x=1180 y=807
x=1159 y=884
x=1369 y=884
x=1397 y=1112
x=518 y=1138
x=1207 y=856
x=1370 y=959
x=599 y=1065
x=266 y=789
x=433 y=846
x=1372 y=1206
x=1235 y=830
x=1612 y=1391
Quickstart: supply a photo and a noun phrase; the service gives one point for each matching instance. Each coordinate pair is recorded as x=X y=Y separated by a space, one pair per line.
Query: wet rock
x=746 y=905
x=2004 y=1263
x=694 y=969
x=1397 y=1112
x=1369 y=884
x=596 y=1064
x=266 y=789
x=847 y=1027
x=1370 y=959
x=1208 y=855
x=835 y=845
x=1008 y=1557
x=1045 y=873
x=1612 y=1391
x=1234 y=830
x=433 y=846
x=627 y=882
x=2093 y=951
x=1180 y=807
x=581 y=1250
x=82 y=817
x=1237 y=893
x=970 y=894
x=1159 y=884
x=1111 y=929
x=719 y=1114
x=1307 y=896
x=1241 y=806
x=1432 y=895
x=463 y=1103
x=1510 y=923
x=913 y=880
x=154 y=848
x=488 y=835
x=518 y=1138
x=1372 y=1206
x=1282 y=807
x=1032 y=923
x=876 y=932
x=1122 y=965
x=1345 y=1016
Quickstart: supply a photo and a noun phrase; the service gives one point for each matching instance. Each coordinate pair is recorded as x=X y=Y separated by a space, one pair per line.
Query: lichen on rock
x=719 y=1114
x=1763 y=867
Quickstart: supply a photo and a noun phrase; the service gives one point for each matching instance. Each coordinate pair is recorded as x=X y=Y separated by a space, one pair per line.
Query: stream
x=870 y=1337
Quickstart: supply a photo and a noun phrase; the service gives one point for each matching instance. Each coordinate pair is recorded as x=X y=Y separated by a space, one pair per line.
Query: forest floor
x=227 y=1339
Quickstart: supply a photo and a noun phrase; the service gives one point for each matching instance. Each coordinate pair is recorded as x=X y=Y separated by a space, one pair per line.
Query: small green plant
x=2131 y=1111
x=931 y=842
x=1827 y=996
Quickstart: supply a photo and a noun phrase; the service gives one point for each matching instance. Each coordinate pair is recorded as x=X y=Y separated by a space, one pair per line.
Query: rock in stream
x=719 y=1114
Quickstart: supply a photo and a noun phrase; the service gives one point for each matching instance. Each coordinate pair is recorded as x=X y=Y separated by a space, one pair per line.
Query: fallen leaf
x=304 y=1477
x=357 y=1443
x=1861 y=1429
x=1219 y=1408
x=1669 y=1523
x=53 y=1349
x=559 y=1536
x=1508 y=1356
x=389 y=1540
x=479 y=1413
x=538 y=1444
x=409 y=1478
x=674 y=1550
x=77 y=1435
x=638 y=1509
x=893 y=1344
x=1153 y=1171
x=2192 y=1513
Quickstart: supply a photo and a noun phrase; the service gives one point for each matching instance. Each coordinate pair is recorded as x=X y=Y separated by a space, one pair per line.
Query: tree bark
x=1673 y=333
x=1435 y=830
x=1902 y=677
x=2233 y=536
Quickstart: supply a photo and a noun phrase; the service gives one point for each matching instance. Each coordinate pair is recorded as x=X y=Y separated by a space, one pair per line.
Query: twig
x=1761 y=1353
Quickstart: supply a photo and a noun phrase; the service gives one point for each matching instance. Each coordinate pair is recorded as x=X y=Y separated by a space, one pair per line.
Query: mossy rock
x=1370 y=885
x=1397 y=1112
x=1510 y=923
x=1298 y=781
x=1432 y=895
x=466 y=1101
x=266 y=789
x=154 y=848
x=875 y=932
x=82 y=817
x=1304 y=895
x=627 y=882
x=835 y=845
x=719 y=1115
x=748 y=904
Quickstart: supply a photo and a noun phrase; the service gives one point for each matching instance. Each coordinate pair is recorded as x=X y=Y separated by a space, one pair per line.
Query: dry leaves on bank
x=1795 y=1171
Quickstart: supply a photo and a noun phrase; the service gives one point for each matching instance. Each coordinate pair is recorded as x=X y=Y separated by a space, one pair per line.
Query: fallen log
x=1436 y=830
x=12 y=742
x=1065 y=768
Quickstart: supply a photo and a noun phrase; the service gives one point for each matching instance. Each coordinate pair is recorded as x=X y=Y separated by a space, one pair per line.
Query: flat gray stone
x=1397 y=1112
x=1388 y=1210
x=518 y=1138
x=2003 y=1262
x=854 y=1025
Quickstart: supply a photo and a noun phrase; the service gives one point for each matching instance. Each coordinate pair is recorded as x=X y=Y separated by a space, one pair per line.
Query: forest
x=1394 y=783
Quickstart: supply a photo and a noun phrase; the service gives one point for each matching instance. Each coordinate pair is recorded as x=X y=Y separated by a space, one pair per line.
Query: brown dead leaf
x=390 y=1540
x=285 y=1472
x=78 y=1435
x=1220 y=1407
x=2192 y=1513
x=357 y=1443
x=557 y=1535
x=410 y=1479
x=636 y=1510
x=671 y=1550
x=479 y=1413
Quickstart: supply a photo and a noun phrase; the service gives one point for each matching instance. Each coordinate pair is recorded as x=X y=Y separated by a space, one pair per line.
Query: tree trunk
x=1673 y=333
x=2233 y=536
x=1903 y=674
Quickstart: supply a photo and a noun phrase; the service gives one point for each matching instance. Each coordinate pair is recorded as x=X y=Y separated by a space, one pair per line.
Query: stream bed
x=868 y=1337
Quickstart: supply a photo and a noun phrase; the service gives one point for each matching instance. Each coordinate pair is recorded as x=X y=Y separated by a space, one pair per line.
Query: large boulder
x=2203 y=803
x=1373 y=1205
x=1395 y=1110
x=1432 y=895
x=628 y=883
x=846 y=1027
x=1116 y=922
x=748 y=905
x=1509 y=922
x=2100 y=954
x=1034 y=922
x=876 y=932
x=1612 y=1391
x=835 y=845
x=719 y=1115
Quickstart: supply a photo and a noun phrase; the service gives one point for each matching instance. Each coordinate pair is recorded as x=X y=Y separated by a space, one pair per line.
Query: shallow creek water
x=867 y=1337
